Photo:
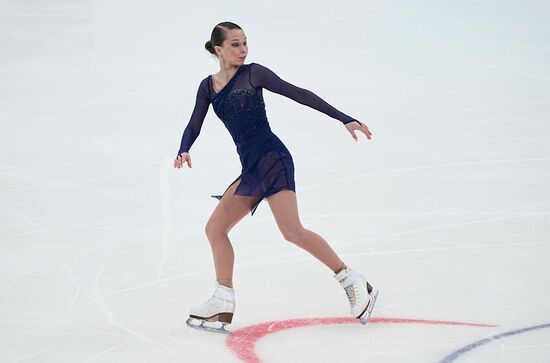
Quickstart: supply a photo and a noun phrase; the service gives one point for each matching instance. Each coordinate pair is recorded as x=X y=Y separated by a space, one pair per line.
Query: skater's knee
x=213 y=229
x=294 y=235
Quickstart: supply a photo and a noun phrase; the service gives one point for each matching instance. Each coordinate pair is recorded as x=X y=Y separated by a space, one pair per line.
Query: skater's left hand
x=358 y=125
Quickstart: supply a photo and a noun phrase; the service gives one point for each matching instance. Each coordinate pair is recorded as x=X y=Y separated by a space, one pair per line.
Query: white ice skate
x=219 y=308
x=361 y=295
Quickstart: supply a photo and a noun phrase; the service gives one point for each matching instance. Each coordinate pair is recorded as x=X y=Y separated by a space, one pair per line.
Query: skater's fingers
x=367 y=132
x=364 y=129
x=358 y=125
x=352 y=132
x=179 y=162
x=188 y=159
x=367 y=129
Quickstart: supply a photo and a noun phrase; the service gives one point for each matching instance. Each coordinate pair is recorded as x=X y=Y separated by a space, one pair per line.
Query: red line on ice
x=242 y=341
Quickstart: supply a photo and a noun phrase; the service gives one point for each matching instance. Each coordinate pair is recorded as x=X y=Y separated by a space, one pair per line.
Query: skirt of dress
x=270 y=173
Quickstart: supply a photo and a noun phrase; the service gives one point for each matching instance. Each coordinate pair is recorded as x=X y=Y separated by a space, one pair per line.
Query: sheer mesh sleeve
x=194 y=126
x=261 y=76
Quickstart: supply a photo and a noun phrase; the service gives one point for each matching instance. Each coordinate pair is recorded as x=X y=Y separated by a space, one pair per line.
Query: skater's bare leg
x=284 y=206
x=229 y=211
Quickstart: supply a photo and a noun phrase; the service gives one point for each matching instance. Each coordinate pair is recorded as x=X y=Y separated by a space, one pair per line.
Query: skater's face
x=234 y=48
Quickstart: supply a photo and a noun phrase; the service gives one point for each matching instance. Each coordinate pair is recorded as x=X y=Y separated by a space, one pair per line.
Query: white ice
x=446 y=209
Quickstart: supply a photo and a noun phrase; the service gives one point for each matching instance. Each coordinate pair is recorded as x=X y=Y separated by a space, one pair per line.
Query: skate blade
x=366 y=315
x=202 y=326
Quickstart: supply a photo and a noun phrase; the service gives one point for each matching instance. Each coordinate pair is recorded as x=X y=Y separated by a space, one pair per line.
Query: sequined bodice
x=243 y=113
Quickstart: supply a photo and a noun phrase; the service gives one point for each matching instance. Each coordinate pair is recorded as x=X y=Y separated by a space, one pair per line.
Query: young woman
x=235 y=93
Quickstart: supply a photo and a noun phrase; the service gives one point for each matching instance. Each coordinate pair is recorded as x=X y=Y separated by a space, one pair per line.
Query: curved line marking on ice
x=242 y=342
x=454 y=355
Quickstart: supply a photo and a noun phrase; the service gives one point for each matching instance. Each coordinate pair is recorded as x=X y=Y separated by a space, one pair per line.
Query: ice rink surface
x=446 y=210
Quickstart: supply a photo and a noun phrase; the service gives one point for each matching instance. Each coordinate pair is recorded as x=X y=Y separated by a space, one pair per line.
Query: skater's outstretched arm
x=261 y=76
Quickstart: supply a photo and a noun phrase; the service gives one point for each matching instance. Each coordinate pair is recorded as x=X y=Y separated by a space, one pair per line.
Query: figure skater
x=267 y=172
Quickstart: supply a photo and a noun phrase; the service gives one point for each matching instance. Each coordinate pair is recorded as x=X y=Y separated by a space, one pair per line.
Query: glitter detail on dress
x=267 y=165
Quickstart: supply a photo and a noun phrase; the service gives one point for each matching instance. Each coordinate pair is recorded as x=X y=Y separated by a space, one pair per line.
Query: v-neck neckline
x=227 y=84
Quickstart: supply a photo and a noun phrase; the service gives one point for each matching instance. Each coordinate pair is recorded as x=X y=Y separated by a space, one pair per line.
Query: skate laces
x=351 y=292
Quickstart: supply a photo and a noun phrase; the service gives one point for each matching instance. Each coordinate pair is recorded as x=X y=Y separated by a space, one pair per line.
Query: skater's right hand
x=181 y=159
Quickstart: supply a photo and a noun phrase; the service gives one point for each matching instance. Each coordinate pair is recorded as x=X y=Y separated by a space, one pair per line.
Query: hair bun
x=209 y=47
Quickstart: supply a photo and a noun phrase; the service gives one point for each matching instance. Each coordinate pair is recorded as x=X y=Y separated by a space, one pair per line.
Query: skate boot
x=219 y=308
x=361 y=295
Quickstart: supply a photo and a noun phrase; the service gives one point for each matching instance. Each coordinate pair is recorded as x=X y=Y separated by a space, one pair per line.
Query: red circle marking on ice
x=242 y=341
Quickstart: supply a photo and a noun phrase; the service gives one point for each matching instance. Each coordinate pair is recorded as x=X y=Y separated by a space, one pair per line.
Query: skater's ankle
x=226 y=283
x=341 y=268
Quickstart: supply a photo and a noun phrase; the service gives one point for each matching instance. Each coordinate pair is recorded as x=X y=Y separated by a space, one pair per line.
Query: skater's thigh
x=284 y=207
x=230 y=210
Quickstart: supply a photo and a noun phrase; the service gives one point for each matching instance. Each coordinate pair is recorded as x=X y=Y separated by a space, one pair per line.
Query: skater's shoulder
x=256 y=66
x=204 y=86
x=205 y=80
x=260 y=71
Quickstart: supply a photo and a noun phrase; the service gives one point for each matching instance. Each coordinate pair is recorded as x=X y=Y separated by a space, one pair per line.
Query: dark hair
x=218 y=35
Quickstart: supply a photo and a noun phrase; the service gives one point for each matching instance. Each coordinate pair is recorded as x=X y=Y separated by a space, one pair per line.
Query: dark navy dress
x=267 y=166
